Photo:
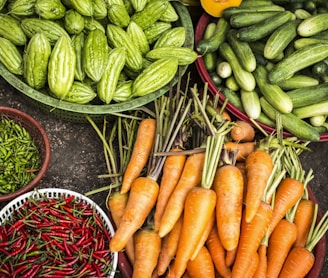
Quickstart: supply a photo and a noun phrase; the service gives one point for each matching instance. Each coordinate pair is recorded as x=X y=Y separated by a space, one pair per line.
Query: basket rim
x=100 y=109
x=47 y=151
x=200 y=65
x=80 y=196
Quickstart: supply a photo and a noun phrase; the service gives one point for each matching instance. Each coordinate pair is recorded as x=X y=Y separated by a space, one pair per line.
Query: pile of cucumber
x=269 y=58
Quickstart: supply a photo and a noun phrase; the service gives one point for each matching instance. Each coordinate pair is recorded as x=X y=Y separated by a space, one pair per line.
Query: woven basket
x=8 y=210
x=40 y=139
x=74 y=112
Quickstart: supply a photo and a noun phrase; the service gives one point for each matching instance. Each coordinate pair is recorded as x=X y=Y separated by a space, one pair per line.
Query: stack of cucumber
x=269 y=58
x=93 y=50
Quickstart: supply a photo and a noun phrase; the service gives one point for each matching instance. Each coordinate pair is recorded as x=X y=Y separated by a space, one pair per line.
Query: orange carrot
x=140 y=153
x=300 y=260
x=204 y=237
x=169 y=247
x=298 y=263
x=116 y=203
x=142 y=199
x=218 y=253
x=243 y=149
x=303 y=218
x=147 y=248
x=280 y=243
x=261 y=270
x=230 y=257
x=228 y=185
x=288 y=193
x=202 y=266
x=251 y=236
x=172 y=170
x=242 y=132
x=254 y=262
x=198 y=210
x=190 y=177
x=259 y=166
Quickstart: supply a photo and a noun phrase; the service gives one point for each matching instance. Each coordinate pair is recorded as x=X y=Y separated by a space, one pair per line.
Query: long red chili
x=53 y=238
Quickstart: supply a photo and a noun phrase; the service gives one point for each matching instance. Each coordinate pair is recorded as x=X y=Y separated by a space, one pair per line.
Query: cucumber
x=232 y=97
x=243 y=51
x=280 y=38
x=264 y=28
x=279 y=99
x=245 y=79
x=251 y=103
x=228 y=12
x=313 y=25
x=320 y=70
x=309 y=95
x=244 y=19
x=298 y=81
x=316 y=109
x=301 y=42
x=291 y=123
x=212 y=43
x=298 y=60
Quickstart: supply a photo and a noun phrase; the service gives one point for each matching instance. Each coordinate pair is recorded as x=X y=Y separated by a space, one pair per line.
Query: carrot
x=204 y=237
x=142 y=199
x=300 y=260
x=280 y=243
x=288 y=193
x=169 y=247
x=243 y=149
x=298 y=263
x=190 y=177
x=254 y=262
x=198 y=209
x=261 y=270
x=303 y=219
x=252 y=233
x=202 y=265
x=172 y=170
x=230 y=257
x=116 y=203
x=140 y=153
x=242 y=132
x=228 y=185
x=218 y=253
x=147 y=248
x=259 y=166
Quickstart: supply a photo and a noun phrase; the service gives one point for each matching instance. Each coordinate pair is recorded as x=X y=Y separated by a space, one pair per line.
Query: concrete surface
x=77 y=155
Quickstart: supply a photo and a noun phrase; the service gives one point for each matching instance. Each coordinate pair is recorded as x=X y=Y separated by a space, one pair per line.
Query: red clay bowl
x=199 y=30
x=41 y=140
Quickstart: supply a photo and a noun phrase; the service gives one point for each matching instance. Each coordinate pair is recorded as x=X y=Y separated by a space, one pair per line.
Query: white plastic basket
x=7 y=212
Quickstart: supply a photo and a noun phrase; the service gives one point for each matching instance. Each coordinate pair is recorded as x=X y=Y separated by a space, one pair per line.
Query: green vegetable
x=213 y=42
x=273 y=94
x=61 y=67
x=245 y=79
x=95 y=53
x=10 y=57
x=36 y=59
x=291 y=123
x=264 y=28
x=106 y=87
x=313 y=25
x=298 y=60
x=19 y=157
x=155 y=76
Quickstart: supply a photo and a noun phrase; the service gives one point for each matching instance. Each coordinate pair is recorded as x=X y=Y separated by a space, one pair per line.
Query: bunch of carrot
x=217 y=208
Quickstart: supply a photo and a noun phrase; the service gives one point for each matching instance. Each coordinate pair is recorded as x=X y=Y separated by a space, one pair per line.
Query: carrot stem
x=319 y=231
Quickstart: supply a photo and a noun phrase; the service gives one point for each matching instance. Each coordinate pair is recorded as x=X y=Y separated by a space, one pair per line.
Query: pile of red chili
x=55 y=237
